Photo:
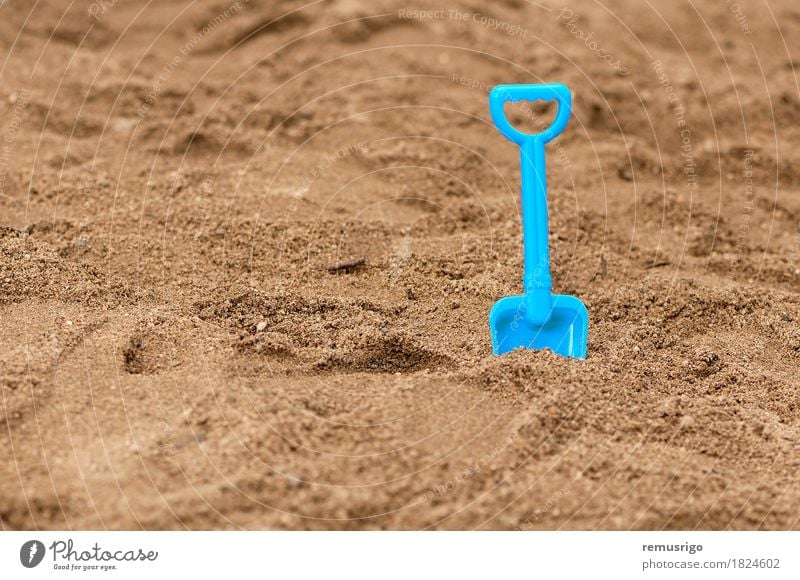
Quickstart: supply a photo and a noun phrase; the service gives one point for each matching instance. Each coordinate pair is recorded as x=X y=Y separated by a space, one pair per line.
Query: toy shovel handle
x=501 y=94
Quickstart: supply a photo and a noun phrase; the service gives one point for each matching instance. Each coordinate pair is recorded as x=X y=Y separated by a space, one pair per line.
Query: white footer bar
x=401 y=555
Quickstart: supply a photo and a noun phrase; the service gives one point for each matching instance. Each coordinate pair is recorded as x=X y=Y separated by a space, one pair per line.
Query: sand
x=248 y=252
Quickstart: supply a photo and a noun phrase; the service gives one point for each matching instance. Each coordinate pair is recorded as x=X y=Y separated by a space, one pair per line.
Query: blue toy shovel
x=538 y=319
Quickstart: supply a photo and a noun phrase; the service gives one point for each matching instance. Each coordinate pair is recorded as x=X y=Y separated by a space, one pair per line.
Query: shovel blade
x=565 y=331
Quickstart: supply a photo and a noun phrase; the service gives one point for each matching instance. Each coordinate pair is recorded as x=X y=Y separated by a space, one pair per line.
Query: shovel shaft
x=536 y=275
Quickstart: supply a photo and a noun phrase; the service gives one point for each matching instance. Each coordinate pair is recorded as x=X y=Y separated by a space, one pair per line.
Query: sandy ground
x=179 y=178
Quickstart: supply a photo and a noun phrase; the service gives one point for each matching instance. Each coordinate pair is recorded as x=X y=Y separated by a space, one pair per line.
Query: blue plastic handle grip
x=536 y=278
x=502 y=94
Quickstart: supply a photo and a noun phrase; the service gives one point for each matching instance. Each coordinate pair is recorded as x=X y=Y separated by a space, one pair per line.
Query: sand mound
x=31 y=269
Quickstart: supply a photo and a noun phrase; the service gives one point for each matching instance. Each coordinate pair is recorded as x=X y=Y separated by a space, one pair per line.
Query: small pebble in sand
x=293 y=482
x=261 y=326
x=348 y=266
x=625 y=172
x=124 y=125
